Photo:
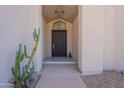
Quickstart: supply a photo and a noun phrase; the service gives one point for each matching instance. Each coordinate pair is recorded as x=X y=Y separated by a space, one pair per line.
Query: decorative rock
x=108 y=79
x=31 y=82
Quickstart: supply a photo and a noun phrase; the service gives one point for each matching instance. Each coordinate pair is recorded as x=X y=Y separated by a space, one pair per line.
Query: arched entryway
x=61 y=34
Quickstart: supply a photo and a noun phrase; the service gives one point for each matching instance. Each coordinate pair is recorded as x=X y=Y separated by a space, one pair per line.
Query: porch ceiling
x=69 y=14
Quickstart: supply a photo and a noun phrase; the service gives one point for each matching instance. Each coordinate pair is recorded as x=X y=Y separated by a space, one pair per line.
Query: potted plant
x=22 y=73
x=69 y=55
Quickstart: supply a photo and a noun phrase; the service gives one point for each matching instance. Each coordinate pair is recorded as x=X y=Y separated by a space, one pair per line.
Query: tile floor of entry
x=60 y=76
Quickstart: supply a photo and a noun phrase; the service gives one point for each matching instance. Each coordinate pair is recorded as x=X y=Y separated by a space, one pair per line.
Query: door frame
x=52 y=40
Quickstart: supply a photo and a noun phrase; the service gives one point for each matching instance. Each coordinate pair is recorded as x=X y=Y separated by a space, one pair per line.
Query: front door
x=59 y=43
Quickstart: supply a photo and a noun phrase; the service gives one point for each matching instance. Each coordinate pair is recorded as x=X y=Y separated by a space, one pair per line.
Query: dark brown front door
x=59 y=43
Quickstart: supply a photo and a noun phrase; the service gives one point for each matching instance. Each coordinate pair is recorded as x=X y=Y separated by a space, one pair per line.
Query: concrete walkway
x=60 y=81
x=60 y=76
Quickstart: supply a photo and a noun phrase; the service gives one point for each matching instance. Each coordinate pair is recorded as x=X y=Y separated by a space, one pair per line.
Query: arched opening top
x=59 y=25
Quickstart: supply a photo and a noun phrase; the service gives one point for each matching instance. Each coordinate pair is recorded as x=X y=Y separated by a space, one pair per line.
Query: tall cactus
x=16 y=69
x=36 y=36
x=19 y=75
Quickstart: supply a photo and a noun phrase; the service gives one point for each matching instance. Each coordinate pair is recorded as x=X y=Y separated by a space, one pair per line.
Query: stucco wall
x=43 y=37
x=92 y=39
x=49 y=27
x=113 y=51
x=80 y=40
x=119 y=38
x=39 y=22
x=108 y=37
x=113 y=33
x=75 y=39
x=16 y=26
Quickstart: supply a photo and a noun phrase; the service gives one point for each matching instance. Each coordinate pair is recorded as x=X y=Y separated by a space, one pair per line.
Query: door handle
x=53 y=46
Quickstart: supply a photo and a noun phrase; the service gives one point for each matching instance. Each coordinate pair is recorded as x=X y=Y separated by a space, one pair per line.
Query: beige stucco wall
x=103 y=33
x=80 y=40
x=119 y=38
x=113 y=46
x=91 y=39
x=49 y=27
x=17 y=25
x=43 y=38
x=37 y=22
x=108 y=37
x=75 y=39
x=113 y=55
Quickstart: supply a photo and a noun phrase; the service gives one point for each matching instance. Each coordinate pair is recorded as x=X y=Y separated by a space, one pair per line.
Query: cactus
x=16 y=69
x=21 y=75
x=36 y=36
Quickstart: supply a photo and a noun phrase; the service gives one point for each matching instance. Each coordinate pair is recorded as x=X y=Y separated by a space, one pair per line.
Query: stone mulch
x=108 y=79
x=33 y=80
